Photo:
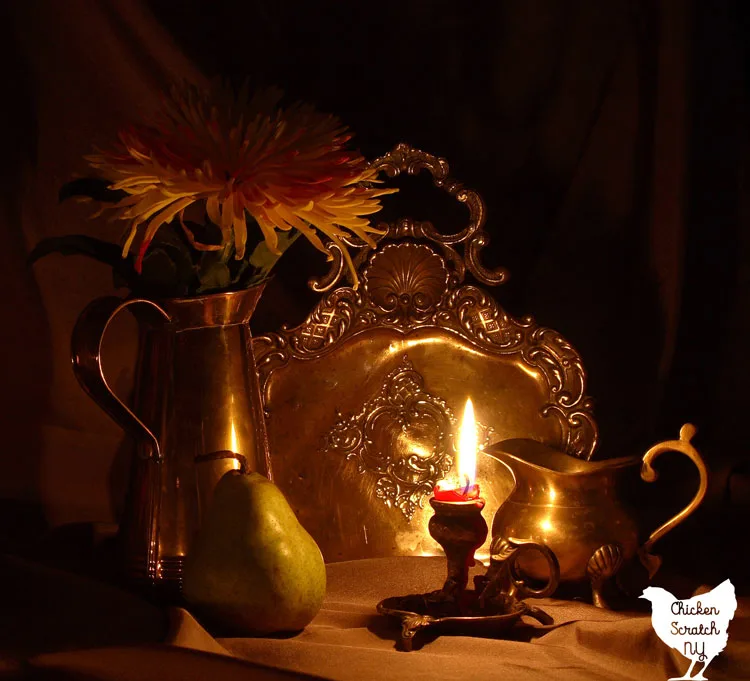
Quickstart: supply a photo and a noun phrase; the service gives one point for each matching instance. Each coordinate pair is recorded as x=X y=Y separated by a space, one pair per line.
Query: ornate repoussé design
x=404 y=478
x=414 y=281
x=412 y=300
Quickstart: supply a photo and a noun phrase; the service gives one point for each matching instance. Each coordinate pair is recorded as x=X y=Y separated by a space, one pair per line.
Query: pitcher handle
x=86 y=349
x=651 y=562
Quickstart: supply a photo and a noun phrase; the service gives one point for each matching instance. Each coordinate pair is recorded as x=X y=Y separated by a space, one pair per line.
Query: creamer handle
x=86 y=350
x=683 y=445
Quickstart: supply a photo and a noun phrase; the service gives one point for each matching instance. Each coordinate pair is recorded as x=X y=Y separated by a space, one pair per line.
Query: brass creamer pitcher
x=572 y=506
x=197 y=414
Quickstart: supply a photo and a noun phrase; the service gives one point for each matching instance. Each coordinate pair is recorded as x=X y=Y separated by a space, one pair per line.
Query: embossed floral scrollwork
x=407 y=159
x=480 y=317
x=579 y=429
x=402 y=435
x=346 y=435
x=562 y=365
x=409 y=287
x=271 y=351
x=327 y=281
x=327 y=322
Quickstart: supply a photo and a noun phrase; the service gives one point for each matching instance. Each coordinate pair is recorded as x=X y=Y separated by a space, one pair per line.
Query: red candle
x=445 y=491
x=464 y=487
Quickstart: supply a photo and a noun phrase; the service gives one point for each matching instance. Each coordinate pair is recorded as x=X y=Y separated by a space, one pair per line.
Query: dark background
x=607 y=138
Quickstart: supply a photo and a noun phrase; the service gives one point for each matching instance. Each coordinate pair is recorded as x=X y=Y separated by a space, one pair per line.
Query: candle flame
x=467 y=447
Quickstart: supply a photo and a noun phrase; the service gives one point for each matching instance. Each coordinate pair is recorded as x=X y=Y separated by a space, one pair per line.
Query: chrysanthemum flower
x=287 y=168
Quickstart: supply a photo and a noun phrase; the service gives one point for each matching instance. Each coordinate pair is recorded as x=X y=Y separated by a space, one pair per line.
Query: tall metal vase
x=197 y=413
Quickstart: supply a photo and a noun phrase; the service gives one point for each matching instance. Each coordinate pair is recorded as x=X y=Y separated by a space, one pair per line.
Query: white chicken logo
x=696 y=627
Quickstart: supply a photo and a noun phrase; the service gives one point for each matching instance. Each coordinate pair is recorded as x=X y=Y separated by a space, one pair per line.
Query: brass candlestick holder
x=460 y=528
x=493 y=606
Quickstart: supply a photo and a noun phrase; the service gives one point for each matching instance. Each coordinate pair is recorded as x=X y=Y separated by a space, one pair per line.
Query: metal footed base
x=433 y=610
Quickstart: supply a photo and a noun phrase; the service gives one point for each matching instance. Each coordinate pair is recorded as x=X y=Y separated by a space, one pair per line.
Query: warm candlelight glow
x=463 y=486
x=234 y=446
x=467 y=447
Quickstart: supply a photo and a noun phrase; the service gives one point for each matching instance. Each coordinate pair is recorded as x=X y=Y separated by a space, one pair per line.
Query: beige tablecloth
x=52 y=623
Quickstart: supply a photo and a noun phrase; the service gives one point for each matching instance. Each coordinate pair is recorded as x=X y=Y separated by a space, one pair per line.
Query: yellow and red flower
x=287 y=168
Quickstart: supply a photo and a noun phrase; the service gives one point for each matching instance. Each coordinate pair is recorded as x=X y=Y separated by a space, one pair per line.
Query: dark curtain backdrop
x=607 y=138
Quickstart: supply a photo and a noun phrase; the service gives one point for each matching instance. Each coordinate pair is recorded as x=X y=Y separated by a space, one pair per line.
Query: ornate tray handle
x=406 y=159
x=335 y=273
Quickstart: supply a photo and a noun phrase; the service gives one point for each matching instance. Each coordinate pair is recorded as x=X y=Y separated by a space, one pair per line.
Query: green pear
x=253 y=569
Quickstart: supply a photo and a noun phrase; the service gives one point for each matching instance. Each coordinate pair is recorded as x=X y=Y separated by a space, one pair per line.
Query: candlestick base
x=460 y=528
x=492 y=606
x=470 y=617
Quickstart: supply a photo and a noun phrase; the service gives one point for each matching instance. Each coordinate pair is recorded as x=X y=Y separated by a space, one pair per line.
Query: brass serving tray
x=362 y=397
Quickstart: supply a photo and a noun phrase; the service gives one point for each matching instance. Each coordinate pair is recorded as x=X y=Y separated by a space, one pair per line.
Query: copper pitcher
x=197 y=413
x=574 y=507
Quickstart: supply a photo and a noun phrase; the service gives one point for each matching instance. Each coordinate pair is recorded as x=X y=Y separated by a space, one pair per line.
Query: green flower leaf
x=167 y=272
x=93 y=187
x=238 y=270
x=170 y=239
x=124 y=273
x=262 y=260
x=77 y=244
x=214 y=277
x=158 y=276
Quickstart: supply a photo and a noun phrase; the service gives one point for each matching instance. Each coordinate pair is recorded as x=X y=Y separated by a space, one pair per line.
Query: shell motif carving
x=408 y=276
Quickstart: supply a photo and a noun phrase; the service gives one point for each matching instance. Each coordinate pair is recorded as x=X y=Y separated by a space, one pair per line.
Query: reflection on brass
x=378 y=439
x=572 y=507
x=223 y=455
x=404 y=436
x=683 y=445
x=603 y=565
x=493 y=605
x=197 y=413
x=525 y=380
x=505 y=580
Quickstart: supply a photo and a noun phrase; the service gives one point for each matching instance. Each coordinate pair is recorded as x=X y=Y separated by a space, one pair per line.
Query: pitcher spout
x=545 y=476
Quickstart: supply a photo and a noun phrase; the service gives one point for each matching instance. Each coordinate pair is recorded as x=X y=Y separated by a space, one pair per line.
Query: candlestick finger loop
x=494 y=604
x=506 y=575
